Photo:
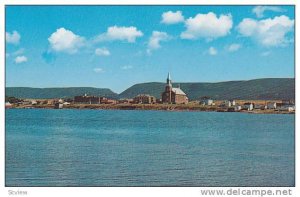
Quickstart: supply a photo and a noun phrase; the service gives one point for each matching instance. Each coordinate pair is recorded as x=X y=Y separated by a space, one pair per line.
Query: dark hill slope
x=271 y=88
x=46 y=93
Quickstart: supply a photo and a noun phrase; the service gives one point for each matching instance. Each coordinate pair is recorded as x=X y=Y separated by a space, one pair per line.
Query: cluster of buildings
x=170 y=95
x=86 y=99
x=233 y=105
x=31 y=103
x=144 y=99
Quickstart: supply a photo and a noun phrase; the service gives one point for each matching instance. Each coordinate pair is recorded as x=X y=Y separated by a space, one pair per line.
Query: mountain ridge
x=255 y=89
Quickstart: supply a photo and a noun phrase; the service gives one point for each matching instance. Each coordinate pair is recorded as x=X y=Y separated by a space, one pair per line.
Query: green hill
x=270 y=88
x=46 y=93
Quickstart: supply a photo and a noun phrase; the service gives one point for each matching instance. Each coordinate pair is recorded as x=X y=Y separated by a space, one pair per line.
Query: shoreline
x=156 y=107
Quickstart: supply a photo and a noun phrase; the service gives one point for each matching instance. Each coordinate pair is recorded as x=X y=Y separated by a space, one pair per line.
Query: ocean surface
x=47 y=147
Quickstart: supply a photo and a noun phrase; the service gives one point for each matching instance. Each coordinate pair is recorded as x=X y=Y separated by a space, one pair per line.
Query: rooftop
x=178 y=91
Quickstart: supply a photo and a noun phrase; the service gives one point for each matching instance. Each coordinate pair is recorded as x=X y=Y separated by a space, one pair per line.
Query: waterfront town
x=172 y=99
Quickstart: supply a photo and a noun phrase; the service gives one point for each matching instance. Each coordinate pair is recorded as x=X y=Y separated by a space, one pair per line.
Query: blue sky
x=118 y=46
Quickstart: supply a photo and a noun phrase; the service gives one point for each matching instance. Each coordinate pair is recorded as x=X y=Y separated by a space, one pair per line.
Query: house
x=259 y=106
x=229 y=103
x=144 y=99
x=207 y=102
x=286 y=107
x=26 y=102
x=125 y=101
x=288 y=102
x=50 y=102
x=33 y=102
x=291 y=108
x=233 y=102
x=85 y=99
x=58 y=105
x=104 y=100
x=8 y=105
x=173 y=95
x=159 y=100
x=248 y=106
x=271 y=105
x=237 y=108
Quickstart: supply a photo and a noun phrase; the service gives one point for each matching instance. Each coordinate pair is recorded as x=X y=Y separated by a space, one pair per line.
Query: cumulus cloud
x=234 y=47
x=268 y=32
x=212 y=51
x=20 y=59
x=155 y=39
x=126 y=67
x=98 y=70
x=19 y=51
x=129 y=34
x=172 y=17
x=102 y=52
x=259 y=10
x=12 y=38
x=207 y=26
x=64 y=40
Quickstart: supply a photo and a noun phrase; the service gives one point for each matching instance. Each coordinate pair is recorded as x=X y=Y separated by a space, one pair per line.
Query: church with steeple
x=173 y=95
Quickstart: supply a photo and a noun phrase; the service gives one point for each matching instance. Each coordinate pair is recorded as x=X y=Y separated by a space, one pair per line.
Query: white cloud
x=13 y=38
x=126 y=67
x=129 y=34
x=268 y=32
x=155 y=39
x=20 y=59
x=64 y=40
x=98 y=70
x=212 y=51
x=259 y=10
x=19 y=51
x=247 y=27
x=172 y=17
x=207 y=26
x=102 y=52
x=234 y=47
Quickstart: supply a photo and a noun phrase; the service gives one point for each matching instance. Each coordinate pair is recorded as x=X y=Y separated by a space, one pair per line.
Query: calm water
x=148 y=148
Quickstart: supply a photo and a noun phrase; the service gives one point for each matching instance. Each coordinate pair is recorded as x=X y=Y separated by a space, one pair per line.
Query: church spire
x=169 y=81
